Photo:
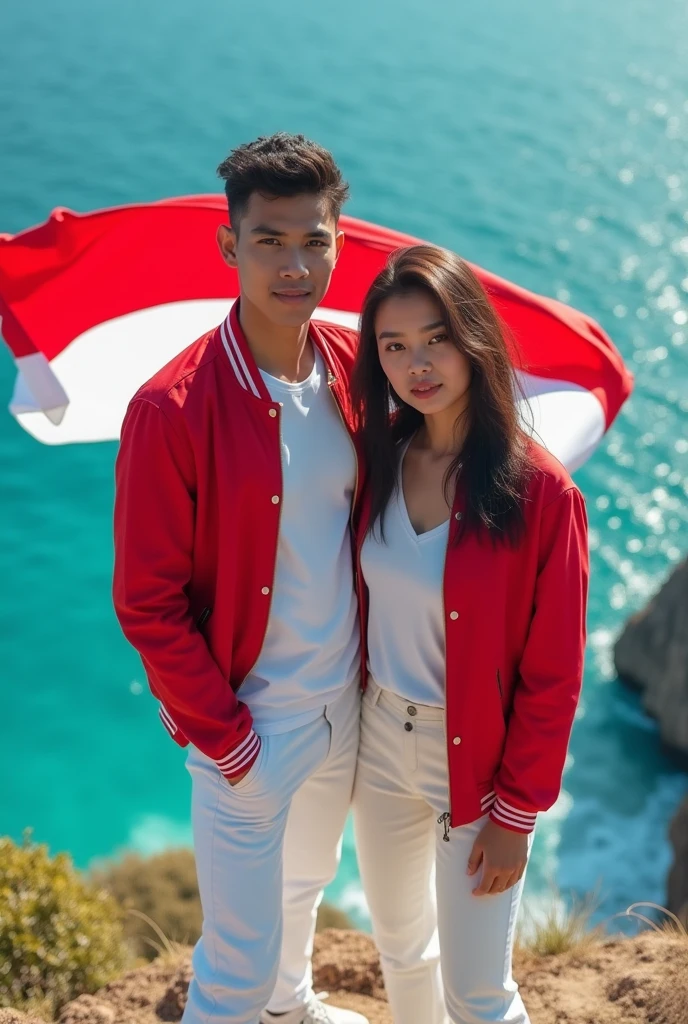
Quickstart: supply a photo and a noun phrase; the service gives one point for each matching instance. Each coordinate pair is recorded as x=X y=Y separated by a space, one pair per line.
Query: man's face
x=285 y=251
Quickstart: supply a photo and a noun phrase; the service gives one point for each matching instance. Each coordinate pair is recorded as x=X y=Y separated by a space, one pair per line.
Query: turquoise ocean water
x=546 y=141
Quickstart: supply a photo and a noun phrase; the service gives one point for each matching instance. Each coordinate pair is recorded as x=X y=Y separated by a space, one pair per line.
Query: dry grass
x=166 y=950
x=561 y=929
x=566 y=928
x=669 y=924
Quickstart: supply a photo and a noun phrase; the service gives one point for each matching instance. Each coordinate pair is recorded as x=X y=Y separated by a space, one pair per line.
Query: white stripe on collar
x=245 y=368
x=241 y=370
x=223 y=335
x=238 y=363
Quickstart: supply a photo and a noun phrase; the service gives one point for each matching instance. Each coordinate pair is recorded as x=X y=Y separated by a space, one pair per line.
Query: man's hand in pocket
x=238 y=778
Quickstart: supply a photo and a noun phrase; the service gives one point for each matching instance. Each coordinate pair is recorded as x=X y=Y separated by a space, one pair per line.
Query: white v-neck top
x=404 y=574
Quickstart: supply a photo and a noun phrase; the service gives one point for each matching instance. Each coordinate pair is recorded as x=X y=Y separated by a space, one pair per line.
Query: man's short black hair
x=281 y=165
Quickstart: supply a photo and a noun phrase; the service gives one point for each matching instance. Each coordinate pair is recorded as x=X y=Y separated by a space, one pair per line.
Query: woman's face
x=423 y=365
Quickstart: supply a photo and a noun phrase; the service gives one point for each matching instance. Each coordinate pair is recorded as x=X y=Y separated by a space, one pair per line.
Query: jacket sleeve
x=154 y=527
x=551 y=670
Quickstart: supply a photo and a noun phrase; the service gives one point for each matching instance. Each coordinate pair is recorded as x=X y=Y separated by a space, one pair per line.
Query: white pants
x=445 y=953
x=265 y=849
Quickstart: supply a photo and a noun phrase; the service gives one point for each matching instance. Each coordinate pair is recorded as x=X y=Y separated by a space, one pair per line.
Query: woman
x=472 y=547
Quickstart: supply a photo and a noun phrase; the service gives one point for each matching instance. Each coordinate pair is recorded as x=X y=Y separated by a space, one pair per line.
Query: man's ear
x=226 y=243
x=339 y=244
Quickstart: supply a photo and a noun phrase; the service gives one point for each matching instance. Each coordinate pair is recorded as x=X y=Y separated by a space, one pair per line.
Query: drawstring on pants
x=444 y=820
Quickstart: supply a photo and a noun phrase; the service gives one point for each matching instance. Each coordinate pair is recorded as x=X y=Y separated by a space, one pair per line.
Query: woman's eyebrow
x=400 y=334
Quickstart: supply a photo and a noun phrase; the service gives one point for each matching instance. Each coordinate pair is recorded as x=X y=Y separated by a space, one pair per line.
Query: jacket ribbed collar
x=232 y=342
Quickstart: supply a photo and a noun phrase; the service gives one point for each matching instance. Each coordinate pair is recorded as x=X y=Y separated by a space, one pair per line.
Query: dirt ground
x=641 y=980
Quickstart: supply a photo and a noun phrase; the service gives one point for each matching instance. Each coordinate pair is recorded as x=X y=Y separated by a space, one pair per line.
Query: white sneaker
x=314 y=1012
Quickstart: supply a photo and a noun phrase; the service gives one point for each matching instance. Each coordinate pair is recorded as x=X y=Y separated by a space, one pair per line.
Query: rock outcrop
x=15 y=1017
x=677 y=887
x=652 y=655
x=611 y=981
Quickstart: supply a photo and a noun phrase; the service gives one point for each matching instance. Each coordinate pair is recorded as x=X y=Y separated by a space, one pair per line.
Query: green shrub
x=330 y=916
x=59 y=935
x=164 y=889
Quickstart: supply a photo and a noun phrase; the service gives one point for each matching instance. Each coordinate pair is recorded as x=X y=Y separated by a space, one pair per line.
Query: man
x=233 y=579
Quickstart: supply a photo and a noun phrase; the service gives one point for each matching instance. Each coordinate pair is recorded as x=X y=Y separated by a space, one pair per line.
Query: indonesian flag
x=93 y=304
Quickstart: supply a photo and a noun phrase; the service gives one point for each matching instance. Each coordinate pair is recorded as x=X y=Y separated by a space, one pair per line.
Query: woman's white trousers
x=446 y=954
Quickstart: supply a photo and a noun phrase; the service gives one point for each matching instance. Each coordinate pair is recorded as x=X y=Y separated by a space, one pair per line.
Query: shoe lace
x=317 y=1013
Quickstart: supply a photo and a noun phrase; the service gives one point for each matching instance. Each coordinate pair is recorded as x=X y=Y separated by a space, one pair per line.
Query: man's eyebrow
x=265 y=229
x=399 y=334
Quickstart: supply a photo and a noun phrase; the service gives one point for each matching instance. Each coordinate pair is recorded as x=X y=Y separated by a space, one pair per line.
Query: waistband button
x=411 y=710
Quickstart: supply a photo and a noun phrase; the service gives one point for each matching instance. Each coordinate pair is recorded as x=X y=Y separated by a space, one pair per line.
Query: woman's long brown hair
x=494 y=459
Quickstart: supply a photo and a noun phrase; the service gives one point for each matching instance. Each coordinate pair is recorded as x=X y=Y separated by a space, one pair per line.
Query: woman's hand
x=503 y=855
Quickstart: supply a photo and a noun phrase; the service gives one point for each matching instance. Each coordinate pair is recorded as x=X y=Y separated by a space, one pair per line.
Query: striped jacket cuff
x=167 y=720
x=510 y=817
x=487 y=802
x=239 y=760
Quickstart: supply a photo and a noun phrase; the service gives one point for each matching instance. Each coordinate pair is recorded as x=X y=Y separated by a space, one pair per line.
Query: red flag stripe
x=75 y=271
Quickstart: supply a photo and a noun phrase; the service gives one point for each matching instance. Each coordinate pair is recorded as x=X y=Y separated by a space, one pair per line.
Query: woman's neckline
x=425 y=534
